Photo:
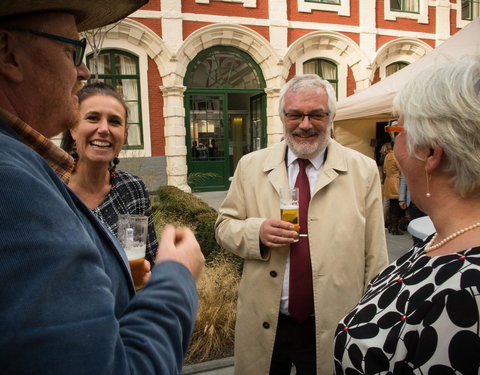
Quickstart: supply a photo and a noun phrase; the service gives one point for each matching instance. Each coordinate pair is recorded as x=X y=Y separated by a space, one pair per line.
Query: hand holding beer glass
x=132 y=233
x=289 y=207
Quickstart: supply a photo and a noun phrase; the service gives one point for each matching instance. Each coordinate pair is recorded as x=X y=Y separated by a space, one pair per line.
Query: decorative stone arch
x=132 y=33
x=335 y=47
x=237 y=36
x=133 y=37
x=403 y=49
x=244 y=39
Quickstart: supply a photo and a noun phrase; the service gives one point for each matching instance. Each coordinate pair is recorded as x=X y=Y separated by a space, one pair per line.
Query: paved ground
x=396 y=246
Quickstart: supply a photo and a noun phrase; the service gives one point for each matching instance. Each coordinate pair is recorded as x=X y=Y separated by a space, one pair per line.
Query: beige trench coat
x=347 y=245
x=391 y=168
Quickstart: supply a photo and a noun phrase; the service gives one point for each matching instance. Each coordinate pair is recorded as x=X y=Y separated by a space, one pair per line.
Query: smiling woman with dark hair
x=95 y=144
x=421 y=315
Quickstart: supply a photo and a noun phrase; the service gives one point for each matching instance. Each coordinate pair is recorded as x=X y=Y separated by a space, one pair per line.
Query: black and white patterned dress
x=128 y=195
x=421 y=315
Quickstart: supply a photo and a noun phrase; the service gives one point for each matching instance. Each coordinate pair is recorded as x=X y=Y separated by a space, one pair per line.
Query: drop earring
x=115 y=162
x=428 y=176
x=74 y=154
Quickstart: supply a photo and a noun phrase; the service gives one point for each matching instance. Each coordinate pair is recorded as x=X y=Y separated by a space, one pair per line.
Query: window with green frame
x=408 y=6
x=395 y=67
x=120 y=69
x=324 y=1
x=325 y=69
x=470 y=9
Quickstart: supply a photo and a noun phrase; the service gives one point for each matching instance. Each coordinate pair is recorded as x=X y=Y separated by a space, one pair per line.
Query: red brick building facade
x=211 y=70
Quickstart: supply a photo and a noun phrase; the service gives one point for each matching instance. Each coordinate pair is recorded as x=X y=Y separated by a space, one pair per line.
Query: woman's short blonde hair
x=386 y=148
x=441 y=106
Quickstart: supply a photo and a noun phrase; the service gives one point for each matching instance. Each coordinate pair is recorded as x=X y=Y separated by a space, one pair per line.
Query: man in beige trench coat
x=346 y=235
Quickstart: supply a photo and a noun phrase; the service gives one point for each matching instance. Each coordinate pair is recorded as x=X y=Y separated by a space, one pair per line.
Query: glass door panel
x=206 y=128
x=256 y=121
x=238 y=139
x=207 y=166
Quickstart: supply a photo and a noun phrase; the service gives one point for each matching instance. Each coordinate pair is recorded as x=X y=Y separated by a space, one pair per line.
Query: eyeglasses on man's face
x=295 y=118
x=79 y=45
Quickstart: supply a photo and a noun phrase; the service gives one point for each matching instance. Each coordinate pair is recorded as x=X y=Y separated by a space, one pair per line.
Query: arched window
x=223 y=69
x=395 y=67
x=325 y=69
x=120 y=69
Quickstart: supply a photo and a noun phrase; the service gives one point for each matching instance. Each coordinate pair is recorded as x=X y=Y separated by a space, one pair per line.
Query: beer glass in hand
x=289 y=207
x=132 y=233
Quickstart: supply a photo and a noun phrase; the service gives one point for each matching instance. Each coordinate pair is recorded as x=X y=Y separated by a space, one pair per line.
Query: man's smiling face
x=309 y=137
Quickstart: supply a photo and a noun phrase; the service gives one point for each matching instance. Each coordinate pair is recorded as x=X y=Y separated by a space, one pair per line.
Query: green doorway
x=225 y=115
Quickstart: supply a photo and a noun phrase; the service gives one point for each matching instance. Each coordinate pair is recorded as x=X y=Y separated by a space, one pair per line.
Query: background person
x=212 y=150
x=421 y=314
x=345 y=237
x=391 y=188
x=97 y=140
x=68 y=301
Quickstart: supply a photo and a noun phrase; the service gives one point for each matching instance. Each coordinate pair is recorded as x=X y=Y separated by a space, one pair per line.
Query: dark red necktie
x=300 y=295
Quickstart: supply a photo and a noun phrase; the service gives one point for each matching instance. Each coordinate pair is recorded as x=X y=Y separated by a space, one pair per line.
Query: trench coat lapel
x=334 y=164
x=274 y=167
x=276 y=171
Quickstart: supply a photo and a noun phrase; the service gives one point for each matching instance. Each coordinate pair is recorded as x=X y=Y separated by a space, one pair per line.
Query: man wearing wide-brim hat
x=68 y=304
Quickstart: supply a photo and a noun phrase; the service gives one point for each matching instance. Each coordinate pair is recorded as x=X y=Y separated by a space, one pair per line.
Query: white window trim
x=342 y=68
x=246 y=3
x=421 y=16
x=117 y=44
x=343 y=8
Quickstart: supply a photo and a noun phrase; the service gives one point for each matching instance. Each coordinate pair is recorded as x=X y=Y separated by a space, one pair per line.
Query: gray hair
x=308 y=81
x=441 y=106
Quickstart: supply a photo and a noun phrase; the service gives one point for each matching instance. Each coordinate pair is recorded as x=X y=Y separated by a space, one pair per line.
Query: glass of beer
x=289 y=207
x=132 y=233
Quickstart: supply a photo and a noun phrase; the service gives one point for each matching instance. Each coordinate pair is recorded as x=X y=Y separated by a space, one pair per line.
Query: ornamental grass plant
x=213 y=335
x=214 y=330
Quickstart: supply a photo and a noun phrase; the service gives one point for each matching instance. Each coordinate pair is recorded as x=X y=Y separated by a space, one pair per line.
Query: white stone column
x=277 y=10
x=442 y=21
x=368 y=31
x=172 y=30
x=175 y=149
x=274 y=124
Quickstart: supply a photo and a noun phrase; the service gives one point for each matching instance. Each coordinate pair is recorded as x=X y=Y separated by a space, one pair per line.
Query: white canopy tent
x=357 y=115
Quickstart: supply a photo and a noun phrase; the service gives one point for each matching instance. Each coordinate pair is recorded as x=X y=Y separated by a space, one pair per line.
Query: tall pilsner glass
x=289 y=207
x=132 y=233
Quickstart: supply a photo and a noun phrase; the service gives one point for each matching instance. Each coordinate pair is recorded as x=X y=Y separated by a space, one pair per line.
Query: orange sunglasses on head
x=394 y=129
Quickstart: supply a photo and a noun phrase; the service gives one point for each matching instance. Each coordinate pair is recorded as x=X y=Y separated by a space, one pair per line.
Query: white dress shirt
x=312 y=171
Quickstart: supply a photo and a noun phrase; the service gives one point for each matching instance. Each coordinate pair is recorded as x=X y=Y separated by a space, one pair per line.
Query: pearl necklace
x=431 y=247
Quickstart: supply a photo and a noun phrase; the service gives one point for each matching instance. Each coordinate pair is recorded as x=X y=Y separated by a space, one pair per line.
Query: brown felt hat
x=89 y=14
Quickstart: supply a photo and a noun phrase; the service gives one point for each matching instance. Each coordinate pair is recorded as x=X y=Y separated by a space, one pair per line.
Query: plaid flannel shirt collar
x=60 y=161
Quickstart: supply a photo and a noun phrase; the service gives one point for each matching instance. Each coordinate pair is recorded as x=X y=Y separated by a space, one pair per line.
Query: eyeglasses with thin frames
x=79 y=45
x=295 y=118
